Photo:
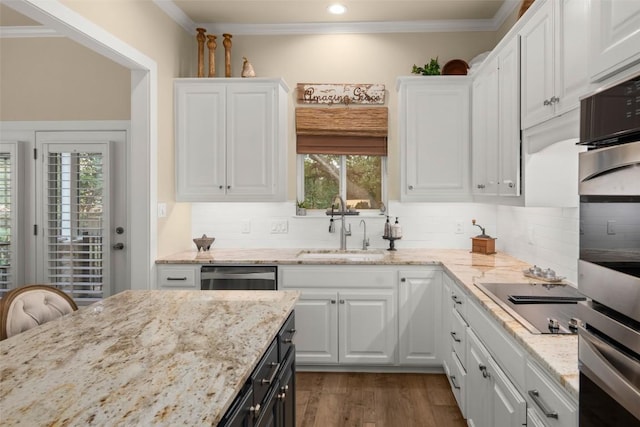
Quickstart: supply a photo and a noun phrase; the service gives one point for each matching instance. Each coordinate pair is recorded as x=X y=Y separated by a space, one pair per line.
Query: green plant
x=430 y=69
x=301 y=204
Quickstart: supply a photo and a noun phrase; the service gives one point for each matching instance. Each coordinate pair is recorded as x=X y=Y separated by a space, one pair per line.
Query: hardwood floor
x=328 y=399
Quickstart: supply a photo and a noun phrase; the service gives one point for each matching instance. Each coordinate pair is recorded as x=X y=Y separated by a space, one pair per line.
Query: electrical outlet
x=459 y=227
x=279 y=227
x=611 y=226
x=245 y=227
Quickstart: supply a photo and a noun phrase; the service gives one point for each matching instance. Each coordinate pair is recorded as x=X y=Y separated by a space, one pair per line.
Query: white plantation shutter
x=8 y=215
x=76 y=219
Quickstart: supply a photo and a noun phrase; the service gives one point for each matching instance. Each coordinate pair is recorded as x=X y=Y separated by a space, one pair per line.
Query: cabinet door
x=419 y=315
x=446 y=306
x=571 y=53
x=434 y=121
x=251 y=141
x=367 y=327
x=200 y=141
x=478 y=384
x=509 y=119
x=615 y=36
x=317 y=327
x=287 y=394
x=485 y=112
x=509 y=407
x=536 y=41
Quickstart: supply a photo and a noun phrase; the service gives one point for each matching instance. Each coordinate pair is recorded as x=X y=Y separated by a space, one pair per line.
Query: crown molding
x=175 y=13
x=427 y=26
x=27 y=32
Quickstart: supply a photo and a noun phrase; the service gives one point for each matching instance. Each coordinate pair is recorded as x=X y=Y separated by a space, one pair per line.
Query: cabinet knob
x=221 y=187
x=228 y=187
x=404 y=279
x=341 y=301
x=483 y=369
x=411 y=187
x=255 y=410
x=480 y=185
x=546 y=102
x=333 y=301
x=554 y=99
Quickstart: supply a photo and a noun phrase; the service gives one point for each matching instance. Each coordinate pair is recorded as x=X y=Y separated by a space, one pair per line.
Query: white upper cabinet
x=496 y=124
x=231 y=139
x=615 y=37
x=434 y=133
x=553 y=59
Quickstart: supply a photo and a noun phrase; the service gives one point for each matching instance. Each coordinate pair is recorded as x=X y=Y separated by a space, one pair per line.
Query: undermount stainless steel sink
x=355 y=256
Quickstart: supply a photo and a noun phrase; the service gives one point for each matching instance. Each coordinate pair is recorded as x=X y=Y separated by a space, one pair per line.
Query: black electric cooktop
x=542 y=308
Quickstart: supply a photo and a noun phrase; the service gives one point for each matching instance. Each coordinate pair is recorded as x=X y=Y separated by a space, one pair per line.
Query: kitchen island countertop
x=140 y=358
x=558 y=354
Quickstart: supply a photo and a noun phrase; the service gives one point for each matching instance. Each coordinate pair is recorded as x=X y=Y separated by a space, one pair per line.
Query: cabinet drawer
x=458 y=379
x=171 y=277
x=503 y=349
x=549 y=402
x=285 y=337
x=265 y=374
x=458 y=336
x=459 y=299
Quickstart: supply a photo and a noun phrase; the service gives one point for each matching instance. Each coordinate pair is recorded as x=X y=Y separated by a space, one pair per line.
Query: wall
x=58 y=79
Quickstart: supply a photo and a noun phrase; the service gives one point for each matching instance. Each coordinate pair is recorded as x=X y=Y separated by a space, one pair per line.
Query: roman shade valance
x=359 y=131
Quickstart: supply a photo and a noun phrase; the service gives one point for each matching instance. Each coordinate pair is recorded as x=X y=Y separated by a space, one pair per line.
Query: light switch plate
x=162 y=210
x=245 y=227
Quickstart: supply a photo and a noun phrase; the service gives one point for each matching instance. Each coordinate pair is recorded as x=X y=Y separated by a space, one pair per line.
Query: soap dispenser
x=396 y=230
x=387 y=229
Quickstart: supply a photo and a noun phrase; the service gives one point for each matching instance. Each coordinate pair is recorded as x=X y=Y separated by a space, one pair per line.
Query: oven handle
x=205 y=275
x=595 y=361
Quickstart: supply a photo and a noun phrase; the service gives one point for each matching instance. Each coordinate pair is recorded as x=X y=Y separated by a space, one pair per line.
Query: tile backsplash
x=547 y=237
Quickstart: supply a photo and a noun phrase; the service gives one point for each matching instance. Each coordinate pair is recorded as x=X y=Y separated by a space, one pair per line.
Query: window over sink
x=359 y=179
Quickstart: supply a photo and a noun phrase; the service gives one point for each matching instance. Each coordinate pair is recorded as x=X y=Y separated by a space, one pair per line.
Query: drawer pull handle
x=455 y=337
x=542 y=405
x=454 y=382
x=455 y=299
x=333 y=301
x=290 y=339
x=177 y=279
x=274 y=366
x=255 y=410
x=483 y=369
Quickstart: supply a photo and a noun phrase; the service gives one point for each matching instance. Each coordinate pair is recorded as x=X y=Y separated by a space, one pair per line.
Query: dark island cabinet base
x=269 y=396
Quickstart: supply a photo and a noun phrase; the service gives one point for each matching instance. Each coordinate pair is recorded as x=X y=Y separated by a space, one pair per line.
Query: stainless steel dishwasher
x=239 y=278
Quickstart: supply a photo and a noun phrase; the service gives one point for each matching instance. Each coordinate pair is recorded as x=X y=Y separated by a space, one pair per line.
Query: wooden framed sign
x=340 y=93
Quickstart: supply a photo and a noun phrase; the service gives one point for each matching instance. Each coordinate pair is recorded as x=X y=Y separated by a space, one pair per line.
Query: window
x=359 y=179
x=7 y=218
x=75 y=225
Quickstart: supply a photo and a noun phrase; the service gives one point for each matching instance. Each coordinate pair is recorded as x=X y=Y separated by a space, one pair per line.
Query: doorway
x=81 y=210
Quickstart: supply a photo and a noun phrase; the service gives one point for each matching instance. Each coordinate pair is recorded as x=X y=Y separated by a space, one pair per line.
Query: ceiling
x=311 y=16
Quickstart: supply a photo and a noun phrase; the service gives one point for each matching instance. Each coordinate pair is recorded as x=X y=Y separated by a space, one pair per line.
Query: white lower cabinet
x=419 y=316
x=494 y=380
x=453 y=340
x=493 y=401
x=345 y=314
x=178 y=276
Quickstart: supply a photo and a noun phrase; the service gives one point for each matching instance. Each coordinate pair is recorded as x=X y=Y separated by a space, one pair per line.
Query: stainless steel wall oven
x=609 y=264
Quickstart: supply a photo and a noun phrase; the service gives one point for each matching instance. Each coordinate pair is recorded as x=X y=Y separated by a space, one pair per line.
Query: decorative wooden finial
x=227 y=54
x=211 y=44
x=201 y=38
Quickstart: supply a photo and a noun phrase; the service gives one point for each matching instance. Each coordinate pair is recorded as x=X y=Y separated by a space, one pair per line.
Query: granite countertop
x=140 y=358
x=557 y=353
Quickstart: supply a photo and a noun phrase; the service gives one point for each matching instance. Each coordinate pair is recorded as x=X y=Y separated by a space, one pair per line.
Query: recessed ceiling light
x=337 y=9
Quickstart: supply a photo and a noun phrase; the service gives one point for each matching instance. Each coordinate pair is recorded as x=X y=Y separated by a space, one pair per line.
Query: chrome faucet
x=344 y=232
x=365 y=239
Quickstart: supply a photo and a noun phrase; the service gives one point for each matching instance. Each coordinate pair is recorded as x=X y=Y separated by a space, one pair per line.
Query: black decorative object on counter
x=391 y=240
